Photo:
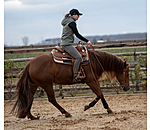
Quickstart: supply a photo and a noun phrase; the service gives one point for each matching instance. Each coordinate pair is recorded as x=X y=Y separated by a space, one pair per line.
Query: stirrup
x=78 y=78
x=75 y=79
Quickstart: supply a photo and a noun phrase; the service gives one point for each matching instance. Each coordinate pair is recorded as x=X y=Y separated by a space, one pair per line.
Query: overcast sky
x=40 y=19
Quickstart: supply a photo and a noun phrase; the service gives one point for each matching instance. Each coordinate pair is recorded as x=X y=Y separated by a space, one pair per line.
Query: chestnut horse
x=43 y=71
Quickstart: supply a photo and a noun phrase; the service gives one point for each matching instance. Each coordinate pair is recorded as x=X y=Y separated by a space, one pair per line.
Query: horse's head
x=123 y=78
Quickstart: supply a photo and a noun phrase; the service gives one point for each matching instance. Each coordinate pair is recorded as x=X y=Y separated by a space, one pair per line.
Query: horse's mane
x=109 y=61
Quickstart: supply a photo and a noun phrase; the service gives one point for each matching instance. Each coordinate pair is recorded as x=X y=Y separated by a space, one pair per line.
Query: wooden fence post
x=41 y=92
x=10 y=83
x=135 y=57
x=61 y=91
x=136 y=73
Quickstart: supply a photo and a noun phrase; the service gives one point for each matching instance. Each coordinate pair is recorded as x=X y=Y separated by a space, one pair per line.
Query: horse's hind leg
x=96 y=89
x=33 y=87
x=51 y=97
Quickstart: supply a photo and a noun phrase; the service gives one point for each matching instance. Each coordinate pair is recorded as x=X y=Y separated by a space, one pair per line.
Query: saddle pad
x=70 y=62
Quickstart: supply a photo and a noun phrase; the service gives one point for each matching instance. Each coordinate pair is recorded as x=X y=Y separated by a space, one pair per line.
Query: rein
x=120 y=88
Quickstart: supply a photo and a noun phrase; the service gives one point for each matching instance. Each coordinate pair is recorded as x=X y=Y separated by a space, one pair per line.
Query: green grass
x=124 y=49
x=24 y=55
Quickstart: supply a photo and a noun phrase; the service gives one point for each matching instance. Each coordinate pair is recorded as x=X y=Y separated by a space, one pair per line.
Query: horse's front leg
x=106 y=105
x=96 y=89
x=95 y=101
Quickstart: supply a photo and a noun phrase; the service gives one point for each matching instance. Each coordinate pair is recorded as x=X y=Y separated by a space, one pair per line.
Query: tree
x=25 y=40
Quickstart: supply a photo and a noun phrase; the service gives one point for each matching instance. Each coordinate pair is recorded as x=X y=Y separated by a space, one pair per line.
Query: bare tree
x=25 y=40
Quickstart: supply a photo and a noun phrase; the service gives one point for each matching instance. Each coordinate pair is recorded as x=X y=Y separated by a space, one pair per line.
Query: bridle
x=121 y=86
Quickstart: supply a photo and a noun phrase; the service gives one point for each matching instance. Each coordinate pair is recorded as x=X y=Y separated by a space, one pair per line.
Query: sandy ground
x=130 y=113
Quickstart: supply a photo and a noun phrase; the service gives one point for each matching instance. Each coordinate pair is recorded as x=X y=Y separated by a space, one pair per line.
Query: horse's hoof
x=67 y=115
x=35 y=118
x=31 y=117
x=110 y=112
x=86 y=107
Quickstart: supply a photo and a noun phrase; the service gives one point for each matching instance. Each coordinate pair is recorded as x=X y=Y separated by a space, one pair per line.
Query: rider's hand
x=89 y=43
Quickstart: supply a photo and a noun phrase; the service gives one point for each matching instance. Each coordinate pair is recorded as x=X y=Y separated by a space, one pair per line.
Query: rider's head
x=75 y=13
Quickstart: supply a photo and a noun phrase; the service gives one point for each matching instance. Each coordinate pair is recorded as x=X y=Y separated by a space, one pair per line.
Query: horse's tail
x=24 y=95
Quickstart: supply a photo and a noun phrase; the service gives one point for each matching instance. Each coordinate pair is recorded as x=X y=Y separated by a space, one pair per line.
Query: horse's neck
x=110 y=64
x=108 y=74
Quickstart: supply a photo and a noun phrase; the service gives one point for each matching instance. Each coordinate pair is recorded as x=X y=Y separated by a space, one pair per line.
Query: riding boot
x=76 y=75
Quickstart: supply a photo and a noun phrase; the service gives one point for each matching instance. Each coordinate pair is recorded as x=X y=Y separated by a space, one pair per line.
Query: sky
x=41 y=19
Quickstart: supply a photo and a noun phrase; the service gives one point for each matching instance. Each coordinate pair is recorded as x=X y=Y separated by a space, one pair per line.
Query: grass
x=24 y=55
x=124 y=49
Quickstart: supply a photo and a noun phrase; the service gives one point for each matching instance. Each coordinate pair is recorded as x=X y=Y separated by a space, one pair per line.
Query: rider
x=67 y=39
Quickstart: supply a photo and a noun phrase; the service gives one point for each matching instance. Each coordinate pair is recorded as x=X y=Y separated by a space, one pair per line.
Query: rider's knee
x=79 y=58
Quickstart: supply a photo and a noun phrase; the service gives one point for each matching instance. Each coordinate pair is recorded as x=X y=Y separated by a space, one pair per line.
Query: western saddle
x=60 y=56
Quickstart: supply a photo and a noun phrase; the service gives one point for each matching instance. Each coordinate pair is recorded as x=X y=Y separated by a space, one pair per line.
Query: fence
x=96 y=45
x=136 y=68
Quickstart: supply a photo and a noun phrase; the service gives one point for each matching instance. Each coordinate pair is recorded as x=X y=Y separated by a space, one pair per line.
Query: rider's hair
x=67 y=15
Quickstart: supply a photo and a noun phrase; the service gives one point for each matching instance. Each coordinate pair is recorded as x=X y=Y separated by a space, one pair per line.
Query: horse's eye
x=127 y=75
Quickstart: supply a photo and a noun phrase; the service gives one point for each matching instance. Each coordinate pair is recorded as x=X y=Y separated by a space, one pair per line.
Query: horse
x=43 y=71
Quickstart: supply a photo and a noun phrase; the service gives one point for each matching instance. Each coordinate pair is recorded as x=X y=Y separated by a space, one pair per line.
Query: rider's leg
x=74 y=53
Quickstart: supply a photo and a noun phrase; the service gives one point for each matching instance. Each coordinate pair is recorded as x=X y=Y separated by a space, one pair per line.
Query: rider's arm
x=72 y=25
